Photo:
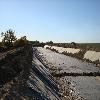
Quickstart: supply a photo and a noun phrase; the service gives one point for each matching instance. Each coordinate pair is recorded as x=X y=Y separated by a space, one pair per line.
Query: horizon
x=60 y=21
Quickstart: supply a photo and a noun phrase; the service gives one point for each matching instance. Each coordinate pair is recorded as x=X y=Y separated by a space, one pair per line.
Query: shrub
x=21 y=42
x=1 y=44
x=8 y=38
x=2 y=47
x=49 y=43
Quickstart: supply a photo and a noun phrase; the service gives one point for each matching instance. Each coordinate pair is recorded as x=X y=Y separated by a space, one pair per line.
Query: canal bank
x=84 y=86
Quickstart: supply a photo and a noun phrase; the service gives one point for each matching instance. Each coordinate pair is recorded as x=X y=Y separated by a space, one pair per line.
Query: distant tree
x=8 y=38
x=37 y=42
x=50 y=42
x=73 y=44
x=24 y=38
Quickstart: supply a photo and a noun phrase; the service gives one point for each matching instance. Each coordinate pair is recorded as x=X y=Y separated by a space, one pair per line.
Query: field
x=94 y=46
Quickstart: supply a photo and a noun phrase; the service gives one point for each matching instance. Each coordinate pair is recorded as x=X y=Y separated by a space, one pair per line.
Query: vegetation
x=89 y=46
x=73 y=44
x=49 y=43
x=21 y=42
x=2 y=48
x=37 y=43
x=85 y=46
x=8 y=38
x=10 y=41
x=76 y=74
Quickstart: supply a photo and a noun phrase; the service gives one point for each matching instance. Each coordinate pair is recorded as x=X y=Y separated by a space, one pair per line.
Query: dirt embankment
x=14 y=70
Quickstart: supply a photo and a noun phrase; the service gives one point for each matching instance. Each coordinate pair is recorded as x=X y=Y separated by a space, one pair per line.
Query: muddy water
x=86 y=87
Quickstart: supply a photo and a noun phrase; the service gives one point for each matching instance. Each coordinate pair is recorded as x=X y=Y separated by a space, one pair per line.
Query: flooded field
x=85 y=86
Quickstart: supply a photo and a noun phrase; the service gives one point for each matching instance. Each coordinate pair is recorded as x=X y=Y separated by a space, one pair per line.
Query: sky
x=56 y=20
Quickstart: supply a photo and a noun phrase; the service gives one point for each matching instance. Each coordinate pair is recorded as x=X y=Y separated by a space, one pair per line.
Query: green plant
x=21 y=42
x=8 y=38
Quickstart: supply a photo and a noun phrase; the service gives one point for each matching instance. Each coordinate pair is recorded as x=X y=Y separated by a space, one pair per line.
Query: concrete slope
x=40 y=82
x=85 y=86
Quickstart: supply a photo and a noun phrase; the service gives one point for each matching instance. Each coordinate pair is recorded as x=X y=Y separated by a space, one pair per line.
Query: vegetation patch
x=76 y=74
x=9 y=41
